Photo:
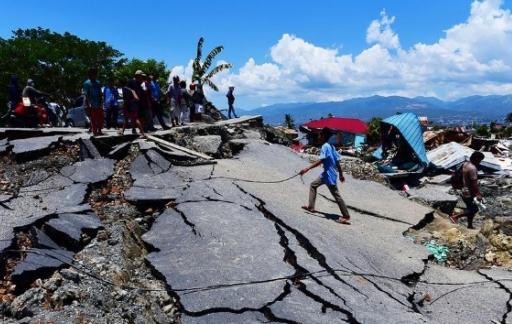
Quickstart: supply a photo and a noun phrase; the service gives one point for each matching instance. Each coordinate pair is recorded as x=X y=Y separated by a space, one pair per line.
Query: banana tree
x=200 y=69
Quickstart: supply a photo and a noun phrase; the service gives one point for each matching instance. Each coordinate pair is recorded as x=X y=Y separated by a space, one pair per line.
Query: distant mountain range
x=464 y=110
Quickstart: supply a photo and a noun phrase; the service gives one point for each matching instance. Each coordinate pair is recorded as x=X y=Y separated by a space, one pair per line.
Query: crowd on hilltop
x=142 y=100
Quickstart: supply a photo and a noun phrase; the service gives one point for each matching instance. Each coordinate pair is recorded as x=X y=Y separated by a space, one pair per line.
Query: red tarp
x=349 y=125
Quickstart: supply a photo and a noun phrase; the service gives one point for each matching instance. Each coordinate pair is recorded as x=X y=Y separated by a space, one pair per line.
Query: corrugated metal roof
x=349 y=125
x=451 y=154
x=410 y=128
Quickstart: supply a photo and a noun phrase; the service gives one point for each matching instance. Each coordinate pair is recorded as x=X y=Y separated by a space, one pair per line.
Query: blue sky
x=275 y=33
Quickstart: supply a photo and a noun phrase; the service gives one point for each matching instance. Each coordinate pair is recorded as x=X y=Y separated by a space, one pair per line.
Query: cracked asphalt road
x=238 y=252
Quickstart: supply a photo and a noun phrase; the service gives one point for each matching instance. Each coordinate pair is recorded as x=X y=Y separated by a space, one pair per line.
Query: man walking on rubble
x=330 y=158
x=470 y=189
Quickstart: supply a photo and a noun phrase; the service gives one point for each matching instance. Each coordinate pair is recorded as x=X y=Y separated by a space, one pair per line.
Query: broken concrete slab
x=119 y=151
x=54 y=195
x=144 y=195
x=4 y=145
x=31 y=147
x=158 y=161
x=89 y=170
x=454 y=291
x=148 y=164
x=209 y=248
x=41 y=240
x=435 y=196
x=208 y=144
x=68 y=228
x=88 y=150
x=39 y=263
x=247 y=317
x=154 y=182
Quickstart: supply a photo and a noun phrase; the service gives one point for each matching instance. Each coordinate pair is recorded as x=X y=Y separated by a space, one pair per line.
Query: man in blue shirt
x=156 y=94
x=110 y=97
x=330 y=160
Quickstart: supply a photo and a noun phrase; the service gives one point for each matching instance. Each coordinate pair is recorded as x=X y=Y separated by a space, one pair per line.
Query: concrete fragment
x=89 y=171
x=119 y=151
x=68 y=228
x=88 y=150
x=32 y=147
x=39 y=263
x=435 y=196
x=208 y=144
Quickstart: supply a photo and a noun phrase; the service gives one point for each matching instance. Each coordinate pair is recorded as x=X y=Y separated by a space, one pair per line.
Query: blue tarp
x=410 y=129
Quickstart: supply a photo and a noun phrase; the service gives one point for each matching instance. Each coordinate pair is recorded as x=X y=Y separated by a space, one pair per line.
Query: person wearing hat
x=231 y=101
x=93 y=101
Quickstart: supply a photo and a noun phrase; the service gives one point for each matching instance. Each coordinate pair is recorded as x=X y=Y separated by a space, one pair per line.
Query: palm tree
x=200 y=69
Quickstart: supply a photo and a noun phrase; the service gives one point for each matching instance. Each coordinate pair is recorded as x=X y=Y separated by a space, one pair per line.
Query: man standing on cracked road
x=330 y=158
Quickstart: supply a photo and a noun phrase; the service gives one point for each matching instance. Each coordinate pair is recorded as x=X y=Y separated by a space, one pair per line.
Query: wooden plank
x=179 y=148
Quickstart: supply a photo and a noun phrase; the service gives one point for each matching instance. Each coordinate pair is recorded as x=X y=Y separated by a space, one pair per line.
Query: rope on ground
x=253 y=181
x=322 y=273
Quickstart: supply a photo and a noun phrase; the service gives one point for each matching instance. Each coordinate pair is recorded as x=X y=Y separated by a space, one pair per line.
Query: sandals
x=453 y=219
x=343 y=220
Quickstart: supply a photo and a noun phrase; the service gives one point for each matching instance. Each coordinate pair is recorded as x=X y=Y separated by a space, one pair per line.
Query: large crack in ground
x=312 y=251
x=504 y=288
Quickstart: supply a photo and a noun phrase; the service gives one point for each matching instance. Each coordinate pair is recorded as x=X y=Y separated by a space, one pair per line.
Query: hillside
x=474 y=108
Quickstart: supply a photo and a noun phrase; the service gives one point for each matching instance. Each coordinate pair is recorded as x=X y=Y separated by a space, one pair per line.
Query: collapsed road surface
x=195 y=242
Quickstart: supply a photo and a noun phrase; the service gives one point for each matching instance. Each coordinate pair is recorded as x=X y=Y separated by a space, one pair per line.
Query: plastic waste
x=480 y=204
x=439 y=251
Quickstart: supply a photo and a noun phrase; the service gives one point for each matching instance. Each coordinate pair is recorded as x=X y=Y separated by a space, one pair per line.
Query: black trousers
x=231 y=109
x=470 y=210
x=158 y=111
x=111 y=116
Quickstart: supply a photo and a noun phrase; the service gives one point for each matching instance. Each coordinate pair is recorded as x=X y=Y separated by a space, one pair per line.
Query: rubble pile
x=74 y=209
x=468 y=249
x=498 y=196
x=362 y=170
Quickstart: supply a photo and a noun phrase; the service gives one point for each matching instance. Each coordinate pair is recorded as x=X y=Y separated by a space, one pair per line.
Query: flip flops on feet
x=453 y=219
x=343 y=220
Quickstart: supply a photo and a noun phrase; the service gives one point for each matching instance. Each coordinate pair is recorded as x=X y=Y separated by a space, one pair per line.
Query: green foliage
x=200 y=69
x=374 y=131
x=508 y=119
x=58 y=63
x=508 y=132
x=482 y=130
x=151 y=66
x=289 y=122
x=492 y=127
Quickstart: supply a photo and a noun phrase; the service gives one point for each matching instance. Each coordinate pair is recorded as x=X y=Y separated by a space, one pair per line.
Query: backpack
x=457 y=179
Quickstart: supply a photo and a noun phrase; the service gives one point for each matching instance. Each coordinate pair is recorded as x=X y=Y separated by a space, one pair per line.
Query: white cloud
x=380 y=32
x=473 y=57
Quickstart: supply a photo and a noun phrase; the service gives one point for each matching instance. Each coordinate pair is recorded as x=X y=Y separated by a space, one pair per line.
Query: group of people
x=142 y=101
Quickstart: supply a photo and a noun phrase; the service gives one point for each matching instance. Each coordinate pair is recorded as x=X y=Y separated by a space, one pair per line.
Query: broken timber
x=179 y=148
